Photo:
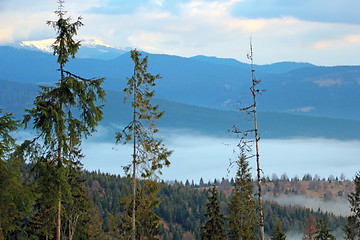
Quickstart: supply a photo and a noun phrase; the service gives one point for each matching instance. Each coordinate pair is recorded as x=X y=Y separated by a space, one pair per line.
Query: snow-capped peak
x=43 y=45
x=96 y=42
x=91 y=48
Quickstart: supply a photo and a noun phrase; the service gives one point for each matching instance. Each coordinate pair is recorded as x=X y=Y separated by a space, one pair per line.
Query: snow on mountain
x=42 y=45
x=90 y=48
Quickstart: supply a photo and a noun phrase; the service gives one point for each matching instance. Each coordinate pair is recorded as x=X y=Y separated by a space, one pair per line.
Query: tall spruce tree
x=242 y=214
x=278 y=233
x=149 y=154
x=352 y=228
x=63 y=114
x=323 y=232
x=214 y=226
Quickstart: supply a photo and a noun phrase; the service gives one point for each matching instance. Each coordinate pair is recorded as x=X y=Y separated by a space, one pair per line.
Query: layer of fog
x=197 y=156
x=292 y=235
x=339 y=207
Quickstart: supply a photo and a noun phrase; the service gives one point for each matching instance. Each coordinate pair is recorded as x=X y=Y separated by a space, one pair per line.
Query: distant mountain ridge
x=299 y=88
x=202 y=92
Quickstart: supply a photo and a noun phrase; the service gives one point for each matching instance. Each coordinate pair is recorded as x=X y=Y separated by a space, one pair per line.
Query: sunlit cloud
x=322 y=45
x=352 y=38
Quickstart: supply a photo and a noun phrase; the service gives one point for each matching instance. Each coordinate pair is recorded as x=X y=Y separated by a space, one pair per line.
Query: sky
x=322 y=32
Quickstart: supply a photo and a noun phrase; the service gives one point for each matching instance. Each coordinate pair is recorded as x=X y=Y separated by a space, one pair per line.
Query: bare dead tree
x=254 y=92
x=246 y=145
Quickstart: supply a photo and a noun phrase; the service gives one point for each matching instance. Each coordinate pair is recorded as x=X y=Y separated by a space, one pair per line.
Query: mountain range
x=201 y=93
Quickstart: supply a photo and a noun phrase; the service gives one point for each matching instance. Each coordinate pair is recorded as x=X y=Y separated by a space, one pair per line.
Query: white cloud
x=189 y=28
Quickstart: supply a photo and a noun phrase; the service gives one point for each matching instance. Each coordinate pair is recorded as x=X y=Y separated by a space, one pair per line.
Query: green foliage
x=243 y=221
x=81 y=220
x=150 y=154
x=214 y=226
x=7 y=143
x=323 y=232
x=147 y=221
x=16 y=197
x=65 y=46
x=278 y=233
x=62 y=115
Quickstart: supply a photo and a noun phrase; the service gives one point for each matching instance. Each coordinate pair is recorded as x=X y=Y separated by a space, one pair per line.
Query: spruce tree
x=147 y=221
x=214 y=226
x=149 y=154
x=242 y=215
x=62 y=115
x=278 y=233
x=81 y=220
x=10 y=179
x=323 y=232
x=352 y=228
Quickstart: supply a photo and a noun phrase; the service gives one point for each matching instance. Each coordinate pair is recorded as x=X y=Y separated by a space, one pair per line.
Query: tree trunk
x=58 y=214
x=133 y=217
x=258 y=169
x=257 y=138
x=58 y=219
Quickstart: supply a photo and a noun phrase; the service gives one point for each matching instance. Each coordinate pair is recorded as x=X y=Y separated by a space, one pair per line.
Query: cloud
x=117 y=7
x=354 y=38
x=281 y=30
x=307 y=10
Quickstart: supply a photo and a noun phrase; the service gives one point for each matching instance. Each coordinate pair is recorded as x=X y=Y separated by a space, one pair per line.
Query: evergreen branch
x=78 y=77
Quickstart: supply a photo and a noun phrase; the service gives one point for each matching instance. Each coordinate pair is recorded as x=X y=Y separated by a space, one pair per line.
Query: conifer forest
x=45 y=193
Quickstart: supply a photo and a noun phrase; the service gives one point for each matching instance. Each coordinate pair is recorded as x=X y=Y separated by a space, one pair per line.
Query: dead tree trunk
x=254 y=92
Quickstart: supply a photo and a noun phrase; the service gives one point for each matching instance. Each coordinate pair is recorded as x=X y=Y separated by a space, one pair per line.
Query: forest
x=46 y=193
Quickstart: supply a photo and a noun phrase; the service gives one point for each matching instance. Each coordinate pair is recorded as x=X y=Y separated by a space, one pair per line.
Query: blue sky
x=323 y=32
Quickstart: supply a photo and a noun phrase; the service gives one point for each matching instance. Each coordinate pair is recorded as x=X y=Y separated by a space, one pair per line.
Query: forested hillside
x=183 y=205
